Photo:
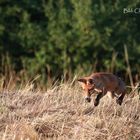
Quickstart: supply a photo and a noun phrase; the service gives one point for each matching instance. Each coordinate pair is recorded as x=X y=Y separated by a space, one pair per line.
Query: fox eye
x=90 y=81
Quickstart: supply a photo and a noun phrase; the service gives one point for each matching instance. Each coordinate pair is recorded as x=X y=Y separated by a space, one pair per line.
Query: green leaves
x=69 y=35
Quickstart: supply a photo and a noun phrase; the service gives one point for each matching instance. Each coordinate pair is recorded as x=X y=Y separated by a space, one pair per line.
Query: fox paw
x=119 y=102
x=96 y=103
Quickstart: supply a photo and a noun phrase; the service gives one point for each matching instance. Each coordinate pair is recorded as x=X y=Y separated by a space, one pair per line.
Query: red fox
x=103 y=83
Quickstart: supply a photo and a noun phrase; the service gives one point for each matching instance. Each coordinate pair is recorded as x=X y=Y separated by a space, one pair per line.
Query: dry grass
x=60 y=113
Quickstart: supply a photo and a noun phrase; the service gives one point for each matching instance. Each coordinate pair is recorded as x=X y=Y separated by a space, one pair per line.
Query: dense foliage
x=54 y=37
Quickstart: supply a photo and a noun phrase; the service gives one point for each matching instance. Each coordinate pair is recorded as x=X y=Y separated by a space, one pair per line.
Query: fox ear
x=82 y=80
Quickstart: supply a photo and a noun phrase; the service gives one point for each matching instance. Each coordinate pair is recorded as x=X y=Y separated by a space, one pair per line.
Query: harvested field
x=61 y=113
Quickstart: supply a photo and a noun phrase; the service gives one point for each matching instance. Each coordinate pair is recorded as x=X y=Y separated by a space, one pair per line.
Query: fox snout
x=88 y=99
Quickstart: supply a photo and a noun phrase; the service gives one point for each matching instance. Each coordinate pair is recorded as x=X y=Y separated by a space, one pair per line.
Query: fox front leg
x=101 y=93
x=97 y=100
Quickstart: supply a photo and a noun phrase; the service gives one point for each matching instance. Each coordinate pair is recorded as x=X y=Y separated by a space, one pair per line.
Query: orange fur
x=103 y=83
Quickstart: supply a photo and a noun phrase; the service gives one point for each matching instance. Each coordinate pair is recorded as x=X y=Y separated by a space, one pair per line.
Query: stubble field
x=61 y=113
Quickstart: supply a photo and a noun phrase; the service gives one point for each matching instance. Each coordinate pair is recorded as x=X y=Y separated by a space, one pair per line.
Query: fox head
x=87 y=85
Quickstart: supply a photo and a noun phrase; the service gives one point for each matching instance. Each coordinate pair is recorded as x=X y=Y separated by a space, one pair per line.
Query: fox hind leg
x=110 y=94
x=120 y=99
